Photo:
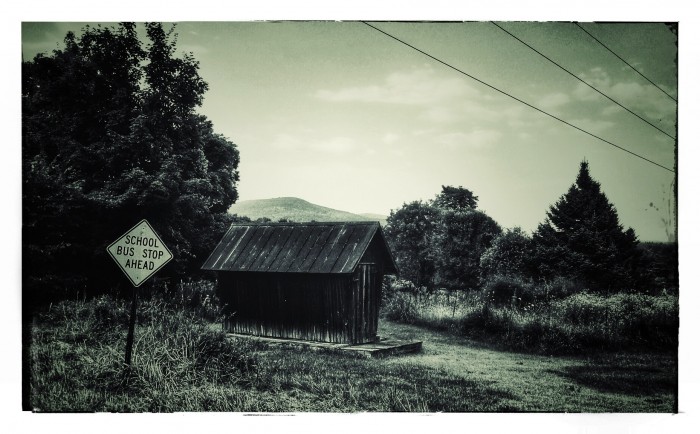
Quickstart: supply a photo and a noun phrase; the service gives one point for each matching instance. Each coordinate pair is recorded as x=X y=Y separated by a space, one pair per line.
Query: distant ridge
x=298 y=210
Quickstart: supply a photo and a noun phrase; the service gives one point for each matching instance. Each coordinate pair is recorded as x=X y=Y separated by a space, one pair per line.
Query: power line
x=583 y=81
x=625 y=62
x=517 y=99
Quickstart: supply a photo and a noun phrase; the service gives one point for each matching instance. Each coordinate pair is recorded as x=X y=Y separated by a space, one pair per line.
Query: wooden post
x=132 y=324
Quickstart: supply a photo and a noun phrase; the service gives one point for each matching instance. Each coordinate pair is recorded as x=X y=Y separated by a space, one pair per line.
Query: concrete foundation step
x=381 y=348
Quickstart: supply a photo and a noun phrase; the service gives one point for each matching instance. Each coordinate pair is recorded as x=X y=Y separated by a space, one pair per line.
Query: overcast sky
x=343 y=116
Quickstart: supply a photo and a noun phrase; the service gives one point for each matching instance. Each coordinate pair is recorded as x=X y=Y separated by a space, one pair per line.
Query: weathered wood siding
x=366 y=298
x=316 y=282
x=295 y=306
x=323 y=308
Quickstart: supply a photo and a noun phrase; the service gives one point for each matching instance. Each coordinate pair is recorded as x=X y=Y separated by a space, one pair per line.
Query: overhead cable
x=625 y=62
x=517 y=99
x=583 y=81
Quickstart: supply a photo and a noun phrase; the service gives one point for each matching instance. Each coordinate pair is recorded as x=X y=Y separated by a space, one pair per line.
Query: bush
x=402 y=308
x=506 y=290
x=581 y=322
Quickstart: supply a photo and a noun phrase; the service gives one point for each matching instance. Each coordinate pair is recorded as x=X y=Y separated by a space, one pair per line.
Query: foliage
x=507 y=290
x=583 y=239
x=456 y=199
x=507 y=255
x=401 y=307
x=657 y=268
x=521 y=316
x=408 y=233
x=78 y=348
x=182 y=363
x=438 y=243
x=458 y=241
x=110 y=135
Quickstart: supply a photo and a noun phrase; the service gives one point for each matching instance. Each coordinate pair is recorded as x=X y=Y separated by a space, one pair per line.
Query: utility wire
x=624 y=61
x=517 y=99
x=582 y=81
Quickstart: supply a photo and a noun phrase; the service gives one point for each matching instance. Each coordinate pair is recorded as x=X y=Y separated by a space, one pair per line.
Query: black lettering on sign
x=139 y=264
x=126 y=251
x=152 y=254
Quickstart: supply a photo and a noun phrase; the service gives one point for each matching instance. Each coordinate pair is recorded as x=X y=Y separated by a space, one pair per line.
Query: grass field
x=181 y=363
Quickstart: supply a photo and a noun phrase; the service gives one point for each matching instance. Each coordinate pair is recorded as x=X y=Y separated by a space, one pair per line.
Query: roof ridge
x=319 y=247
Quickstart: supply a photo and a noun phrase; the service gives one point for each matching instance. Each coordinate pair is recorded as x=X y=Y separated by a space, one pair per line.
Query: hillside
x=298 y=210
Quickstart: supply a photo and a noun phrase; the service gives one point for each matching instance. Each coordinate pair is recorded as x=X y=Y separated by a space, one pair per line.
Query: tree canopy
x=439 y=243
x=582 y=237
x=456 y=199
x=408 y=232
x=111 y=135
x=507 y=255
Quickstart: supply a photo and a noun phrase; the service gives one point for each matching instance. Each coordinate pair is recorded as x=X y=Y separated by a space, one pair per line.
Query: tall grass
x=77 y=357
x=543 y=323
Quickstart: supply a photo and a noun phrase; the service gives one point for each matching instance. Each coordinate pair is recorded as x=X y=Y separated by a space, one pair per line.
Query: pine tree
x=583 y=239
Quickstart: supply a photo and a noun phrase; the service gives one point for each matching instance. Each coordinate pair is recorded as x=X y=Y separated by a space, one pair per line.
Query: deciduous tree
x=111 y=136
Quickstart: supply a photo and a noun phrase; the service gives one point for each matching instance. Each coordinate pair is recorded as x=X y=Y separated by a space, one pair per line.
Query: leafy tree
x=457 y=243
x=408 y=231
x=441 y=241
x=455 y=198
x=110 y=135
x=583 y=239
x=507 y=255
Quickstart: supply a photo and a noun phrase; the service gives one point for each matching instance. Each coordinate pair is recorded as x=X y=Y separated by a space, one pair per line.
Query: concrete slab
x=387 y=347
x=381 y=348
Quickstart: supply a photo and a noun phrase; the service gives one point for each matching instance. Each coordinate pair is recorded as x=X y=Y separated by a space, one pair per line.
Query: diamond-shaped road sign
x=140 y=253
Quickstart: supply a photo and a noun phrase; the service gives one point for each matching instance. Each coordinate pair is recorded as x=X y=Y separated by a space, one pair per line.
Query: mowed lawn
x=610 y=382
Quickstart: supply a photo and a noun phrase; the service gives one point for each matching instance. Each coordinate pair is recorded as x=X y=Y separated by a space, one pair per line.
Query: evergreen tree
x=110 y=135
x=583 y=239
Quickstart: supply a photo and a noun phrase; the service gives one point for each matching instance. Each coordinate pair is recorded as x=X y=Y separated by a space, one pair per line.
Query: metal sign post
x=140 y=253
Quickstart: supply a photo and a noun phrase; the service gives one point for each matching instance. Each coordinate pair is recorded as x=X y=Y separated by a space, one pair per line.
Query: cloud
x=193 y=48
x=390 y=138
x=477 y=139
x=595 y=126
x=643 y=99
x=554 y=100
x=416 y=87
x=286 y=142
x=34 y=32
x=333 y=145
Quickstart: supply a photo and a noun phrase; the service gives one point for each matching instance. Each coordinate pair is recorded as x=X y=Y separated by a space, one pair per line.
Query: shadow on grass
x=643 y=376
x=348 y=384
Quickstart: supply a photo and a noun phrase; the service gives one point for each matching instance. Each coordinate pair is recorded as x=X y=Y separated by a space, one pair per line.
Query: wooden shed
x=310 y=281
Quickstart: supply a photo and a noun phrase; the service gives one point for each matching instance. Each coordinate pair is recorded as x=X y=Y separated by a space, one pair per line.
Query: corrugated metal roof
x=297 y=247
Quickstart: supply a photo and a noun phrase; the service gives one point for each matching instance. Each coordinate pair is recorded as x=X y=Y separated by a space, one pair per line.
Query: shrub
x=503 y=290
x=402 y=308
x=507 y=254
x=557 y=288
x=579 y=322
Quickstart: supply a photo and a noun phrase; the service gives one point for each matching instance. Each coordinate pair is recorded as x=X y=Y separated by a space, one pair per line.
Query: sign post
x=140 y=253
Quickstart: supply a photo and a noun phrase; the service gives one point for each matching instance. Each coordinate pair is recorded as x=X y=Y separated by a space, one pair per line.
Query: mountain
x=298 y=210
